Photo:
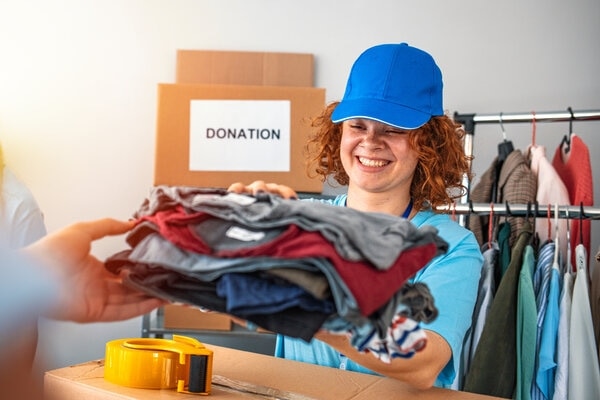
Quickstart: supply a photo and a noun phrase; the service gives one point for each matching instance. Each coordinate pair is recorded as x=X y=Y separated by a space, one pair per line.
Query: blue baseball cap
x=396 y=84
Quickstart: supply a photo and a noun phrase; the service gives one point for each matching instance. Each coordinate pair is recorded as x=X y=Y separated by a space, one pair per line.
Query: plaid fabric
x=516 y=184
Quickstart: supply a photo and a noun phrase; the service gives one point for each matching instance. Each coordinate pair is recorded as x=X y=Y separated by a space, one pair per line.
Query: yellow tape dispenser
x=183 y=363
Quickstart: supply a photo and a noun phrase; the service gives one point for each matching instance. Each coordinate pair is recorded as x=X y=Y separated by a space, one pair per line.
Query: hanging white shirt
x=584 y=372
x=561 y=382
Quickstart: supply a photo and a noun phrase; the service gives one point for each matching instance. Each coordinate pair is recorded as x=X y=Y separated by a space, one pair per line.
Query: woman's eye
x=357 y=127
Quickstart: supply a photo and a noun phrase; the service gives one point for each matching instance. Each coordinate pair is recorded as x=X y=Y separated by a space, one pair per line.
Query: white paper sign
x=240 y=135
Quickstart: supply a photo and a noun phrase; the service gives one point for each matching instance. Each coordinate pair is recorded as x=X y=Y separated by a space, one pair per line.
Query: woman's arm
x=87 y=291
x=420 y=371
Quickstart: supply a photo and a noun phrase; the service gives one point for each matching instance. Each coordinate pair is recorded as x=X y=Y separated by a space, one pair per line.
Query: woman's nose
x=372 y=137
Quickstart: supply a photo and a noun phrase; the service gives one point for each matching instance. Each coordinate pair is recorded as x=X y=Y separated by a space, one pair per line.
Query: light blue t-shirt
x=453 y=280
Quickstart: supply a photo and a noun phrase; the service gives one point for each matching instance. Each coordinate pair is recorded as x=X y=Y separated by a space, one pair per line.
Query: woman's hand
x=88 y=292
x=257 y=187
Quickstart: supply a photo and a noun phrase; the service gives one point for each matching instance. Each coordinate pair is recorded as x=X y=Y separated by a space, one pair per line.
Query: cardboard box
x=297 y=380
x=245 y=68
x=183 y=317
x=174 y=139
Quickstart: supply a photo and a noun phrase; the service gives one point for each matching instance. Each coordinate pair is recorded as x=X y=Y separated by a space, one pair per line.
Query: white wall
x=78 y=87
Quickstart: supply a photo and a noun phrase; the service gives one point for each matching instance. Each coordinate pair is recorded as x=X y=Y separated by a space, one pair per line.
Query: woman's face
x=377 y=157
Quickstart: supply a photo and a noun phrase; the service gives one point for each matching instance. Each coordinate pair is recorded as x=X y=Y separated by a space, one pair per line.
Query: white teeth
x=372 y=163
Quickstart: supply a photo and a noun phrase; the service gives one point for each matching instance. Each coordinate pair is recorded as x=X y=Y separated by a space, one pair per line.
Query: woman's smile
x=369 y=162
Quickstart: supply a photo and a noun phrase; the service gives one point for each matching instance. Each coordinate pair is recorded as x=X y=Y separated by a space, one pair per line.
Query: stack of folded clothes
x=290 y=266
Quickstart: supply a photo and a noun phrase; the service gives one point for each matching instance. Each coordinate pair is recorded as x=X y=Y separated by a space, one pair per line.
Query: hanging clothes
x=561 y=381
x=584 y=372
x=493 y=369
x=504 y=249
x=485 y=297
x=595 y=298
x=541 y=283
x=550 y=190
x=516 y=184
x=526 y=327
x=546 y=365
x=574 y=168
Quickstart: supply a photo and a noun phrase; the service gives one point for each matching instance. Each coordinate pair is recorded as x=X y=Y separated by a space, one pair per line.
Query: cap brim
x=388 y=113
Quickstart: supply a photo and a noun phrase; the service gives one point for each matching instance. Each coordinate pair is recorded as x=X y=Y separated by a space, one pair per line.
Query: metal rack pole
x=522 y=210
x=470 y=120
x=546 y=116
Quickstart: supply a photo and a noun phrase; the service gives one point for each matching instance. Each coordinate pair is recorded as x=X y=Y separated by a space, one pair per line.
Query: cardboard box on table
x=300 y=380
x=232 y=75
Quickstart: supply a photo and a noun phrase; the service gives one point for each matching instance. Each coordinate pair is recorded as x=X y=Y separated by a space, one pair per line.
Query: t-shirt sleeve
x=26 y=291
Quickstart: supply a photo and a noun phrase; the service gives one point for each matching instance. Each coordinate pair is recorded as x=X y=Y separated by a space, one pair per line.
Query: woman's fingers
x=257 y=187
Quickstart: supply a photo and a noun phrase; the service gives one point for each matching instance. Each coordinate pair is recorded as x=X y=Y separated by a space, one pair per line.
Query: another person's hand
x=261 y=186
x=88 y=292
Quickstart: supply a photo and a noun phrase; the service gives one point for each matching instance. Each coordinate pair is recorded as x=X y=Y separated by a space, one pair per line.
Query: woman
x=21 y=223
x=389 y=141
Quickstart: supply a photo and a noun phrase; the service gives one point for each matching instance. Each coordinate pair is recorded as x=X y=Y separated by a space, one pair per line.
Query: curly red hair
x=442 y=166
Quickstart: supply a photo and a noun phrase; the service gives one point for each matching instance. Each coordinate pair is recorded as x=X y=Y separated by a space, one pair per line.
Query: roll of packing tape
x=182 y=363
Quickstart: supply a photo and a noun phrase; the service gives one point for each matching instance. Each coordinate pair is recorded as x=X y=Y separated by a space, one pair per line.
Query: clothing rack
x=523 y=210
x=470 y=120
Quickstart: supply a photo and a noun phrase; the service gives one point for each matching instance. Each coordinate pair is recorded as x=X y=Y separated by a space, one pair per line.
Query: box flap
x=244 y=68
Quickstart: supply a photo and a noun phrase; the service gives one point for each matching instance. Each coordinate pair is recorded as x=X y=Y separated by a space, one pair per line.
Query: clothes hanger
x=556 y=262
x=508 y=213
x=581 y=253
x=549 y=221
x=581 y=216
x=534 y=240
x=491 y=226
x=505 y=147
x=565 y=143
x=568 y=265
x=533 y=136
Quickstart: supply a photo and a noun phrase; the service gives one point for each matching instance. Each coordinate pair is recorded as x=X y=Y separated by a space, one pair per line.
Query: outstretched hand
x=89 y=293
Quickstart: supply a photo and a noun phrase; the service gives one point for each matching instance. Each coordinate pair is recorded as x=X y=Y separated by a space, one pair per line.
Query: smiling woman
x=389 y=141
x=441 y=163
x=377 y=156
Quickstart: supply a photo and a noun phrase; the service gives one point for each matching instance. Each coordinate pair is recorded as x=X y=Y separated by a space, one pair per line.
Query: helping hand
x=88 y=293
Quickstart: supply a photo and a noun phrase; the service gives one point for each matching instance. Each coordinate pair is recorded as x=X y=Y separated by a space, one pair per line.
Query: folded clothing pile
x=292 y=267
